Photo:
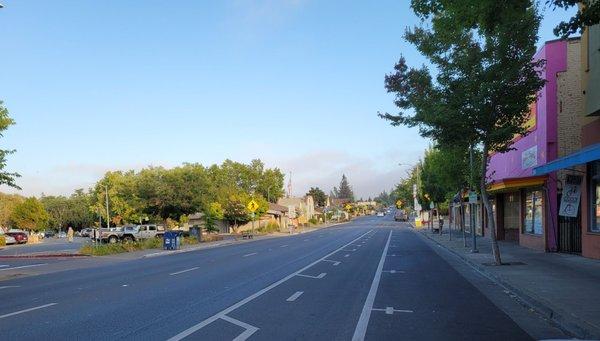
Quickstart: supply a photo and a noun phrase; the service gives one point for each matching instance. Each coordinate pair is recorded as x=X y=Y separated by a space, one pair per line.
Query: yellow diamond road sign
x=252 y=206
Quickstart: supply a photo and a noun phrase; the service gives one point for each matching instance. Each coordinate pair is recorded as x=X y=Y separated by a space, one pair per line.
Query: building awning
x=582 y=156
x=515 y=183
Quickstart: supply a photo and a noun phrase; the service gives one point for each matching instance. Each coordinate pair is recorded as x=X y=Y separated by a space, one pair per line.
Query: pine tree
x=345 y=191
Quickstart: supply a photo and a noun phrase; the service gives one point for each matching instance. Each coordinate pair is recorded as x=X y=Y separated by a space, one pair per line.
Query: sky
x=117 y=85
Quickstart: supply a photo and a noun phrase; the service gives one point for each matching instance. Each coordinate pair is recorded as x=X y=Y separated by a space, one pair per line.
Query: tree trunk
x=488 y=207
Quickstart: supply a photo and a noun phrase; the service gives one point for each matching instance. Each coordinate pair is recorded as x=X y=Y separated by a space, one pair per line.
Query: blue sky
x=105 y=85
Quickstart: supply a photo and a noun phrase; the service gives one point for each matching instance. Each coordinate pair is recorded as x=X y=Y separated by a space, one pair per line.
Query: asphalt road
x=47 y=245
x=371 y=279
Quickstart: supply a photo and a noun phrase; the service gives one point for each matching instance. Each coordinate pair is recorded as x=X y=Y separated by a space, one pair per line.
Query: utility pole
x=107 y=211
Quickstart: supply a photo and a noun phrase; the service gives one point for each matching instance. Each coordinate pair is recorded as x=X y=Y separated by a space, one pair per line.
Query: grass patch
x=111 y=249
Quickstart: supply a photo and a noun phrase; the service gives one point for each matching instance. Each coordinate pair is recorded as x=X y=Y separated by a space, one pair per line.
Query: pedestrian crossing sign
x=252 y=206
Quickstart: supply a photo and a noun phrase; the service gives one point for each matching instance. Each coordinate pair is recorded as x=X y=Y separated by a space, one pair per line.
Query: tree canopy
x=587 y=15
x=345 y=190
x=485 y=77
x=318 y=196
x=6 y=178
x=30 y=215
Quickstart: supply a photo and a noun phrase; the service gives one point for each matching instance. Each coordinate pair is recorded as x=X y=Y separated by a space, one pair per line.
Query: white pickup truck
x=130 y=233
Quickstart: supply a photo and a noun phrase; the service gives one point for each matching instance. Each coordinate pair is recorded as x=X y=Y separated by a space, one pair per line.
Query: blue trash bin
x=171 y=240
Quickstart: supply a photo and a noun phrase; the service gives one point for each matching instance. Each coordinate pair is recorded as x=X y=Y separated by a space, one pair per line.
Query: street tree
x=7 y=205
x=345 y=190
x=6 y=178
x=587 y=15
x=30 y=215
x=484 y=82
x=318 y=196
x=212 y=214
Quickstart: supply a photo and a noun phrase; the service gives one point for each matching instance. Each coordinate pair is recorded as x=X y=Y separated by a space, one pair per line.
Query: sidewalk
x=564 y=288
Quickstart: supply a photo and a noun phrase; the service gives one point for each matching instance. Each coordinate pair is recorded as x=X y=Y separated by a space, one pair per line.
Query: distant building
x=300 y=209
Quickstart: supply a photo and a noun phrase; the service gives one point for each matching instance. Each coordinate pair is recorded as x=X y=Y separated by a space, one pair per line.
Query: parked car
x=380 y=214
x=20 y=236
x=400 y=215
x=62 y=234
x=49 y=233
x=85 y=232
x=130 y=233
x=9 y=240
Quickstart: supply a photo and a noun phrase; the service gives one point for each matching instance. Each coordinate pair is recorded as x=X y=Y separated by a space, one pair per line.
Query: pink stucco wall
x=544 y=136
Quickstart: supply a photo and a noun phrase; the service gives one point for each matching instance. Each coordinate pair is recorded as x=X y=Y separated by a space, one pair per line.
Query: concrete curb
x=231 y=242
x=47 y=255
x=570 y=324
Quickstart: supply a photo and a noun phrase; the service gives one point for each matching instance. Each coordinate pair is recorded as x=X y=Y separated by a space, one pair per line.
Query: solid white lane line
x=295 y=296
x=250 y=329
x=222 y=314
x=23 y=266
x=3 y=266
x=363 y=321
x=10 y=286
x=284 y=245
x=347 y=255
x=186 y=270
x=27 y=310
x=250 y=254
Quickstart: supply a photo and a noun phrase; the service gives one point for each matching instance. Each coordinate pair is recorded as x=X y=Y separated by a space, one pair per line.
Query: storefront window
x=595 y=197
x=533 y=212
x=512 y=211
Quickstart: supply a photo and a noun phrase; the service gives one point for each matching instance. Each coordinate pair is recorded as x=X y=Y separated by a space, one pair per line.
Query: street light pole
x=473 y=206
x=107 y=211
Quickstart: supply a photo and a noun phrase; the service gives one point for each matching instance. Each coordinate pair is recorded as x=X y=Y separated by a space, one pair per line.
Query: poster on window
x=569 y=204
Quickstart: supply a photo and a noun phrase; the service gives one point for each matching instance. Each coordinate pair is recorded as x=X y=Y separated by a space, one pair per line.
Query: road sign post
x=252 y=207
x=472 y=218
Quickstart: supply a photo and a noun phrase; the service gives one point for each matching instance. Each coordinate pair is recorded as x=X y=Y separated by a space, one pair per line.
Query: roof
x=277 y=207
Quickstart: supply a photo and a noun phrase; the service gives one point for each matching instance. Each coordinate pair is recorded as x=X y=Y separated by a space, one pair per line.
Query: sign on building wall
x=569 y=203
x=529 y=158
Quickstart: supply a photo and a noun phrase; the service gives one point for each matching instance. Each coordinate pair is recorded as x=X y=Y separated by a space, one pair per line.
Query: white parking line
x=295 y=296
x=250 y=254
x=27 y=310
x=284 y=245
x=250 y=329
x=363 y=321
x=223 y=314
x=186 y=270
x=335 y=262
x=347 y=255
x=10 y=286
x=319 y=276
x=23 y=266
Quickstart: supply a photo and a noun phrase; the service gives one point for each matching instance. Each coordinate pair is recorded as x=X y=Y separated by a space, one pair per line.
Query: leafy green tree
x=212 y=214
x=345 y=191
x=123 y=200
x=587 y=15
x=6 y=178
x=234 y=211
x=73 y=211
x=30 y=215
x=318 y=196
x=485 y=79
x=7 y=205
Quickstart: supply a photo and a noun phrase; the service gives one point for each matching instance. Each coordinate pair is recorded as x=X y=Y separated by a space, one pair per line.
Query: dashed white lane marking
x=250 y=329
x=347 y=255
x=363 y=321
x=27 y=310
x=223 y=314
x=3 y=266
x=186 y=270
x=9 y=286
x=250 y=254
x=391 y=310
x=349 y=250
x=23 y=266
x=335 y=262
x=306 y=240
x=295 y=296
x=394 y=271
x=319 y=276
x=284 y=245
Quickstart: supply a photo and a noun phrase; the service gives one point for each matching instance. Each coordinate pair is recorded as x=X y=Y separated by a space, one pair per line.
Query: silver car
x=10 y=240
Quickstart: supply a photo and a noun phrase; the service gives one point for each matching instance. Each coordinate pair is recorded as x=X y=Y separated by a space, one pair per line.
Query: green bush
x=2 y=241
x=313 y=221
x=189 y=241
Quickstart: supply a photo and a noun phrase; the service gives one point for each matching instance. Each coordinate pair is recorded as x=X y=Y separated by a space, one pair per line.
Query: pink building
x=525 y=205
